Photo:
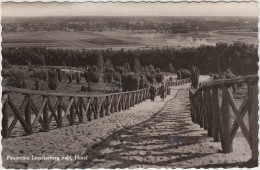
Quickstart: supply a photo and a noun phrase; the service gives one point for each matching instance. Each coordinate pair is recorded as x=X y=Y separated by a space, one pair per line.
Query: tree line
x=240 y=58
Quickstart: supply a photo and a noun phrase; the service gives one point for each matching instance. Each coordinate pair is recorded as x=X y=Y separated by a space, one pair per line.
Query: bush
x=108 y=78
x=195 y=74
x=109 y=70
x=78 y=78
x=59 y=74
x=69 y=77
x=159 y=78
x=143 y=82
x=73 y=76
x=30 y=68
x=228 y=74
x=91 y=76
x=183 y=74
x=83 y=88
x=17 y=80
x=41 y=75
x=89 y=88
x=117 y=76
x=52 y=79
x=121 y=70
x=151 y=77
x=130 y=82
x=38 y=84
x=5 y=64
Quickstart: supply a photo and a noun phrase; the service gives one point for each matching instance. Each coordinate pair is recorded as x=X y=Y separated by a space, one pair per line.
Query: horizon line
x=133 y=16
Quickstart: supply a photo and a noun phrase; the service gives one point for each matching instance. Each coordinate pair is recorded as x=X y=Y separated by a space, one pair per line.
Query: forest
x=240 y=58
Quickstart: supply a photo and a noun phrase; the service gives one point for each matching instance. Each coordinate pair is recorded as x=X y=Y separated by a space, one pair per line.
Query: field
x=118 y=39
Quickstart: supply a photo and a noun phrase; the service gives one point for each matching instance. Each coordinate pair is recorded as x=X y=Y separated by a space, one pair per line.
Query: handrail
x=249 y=78
x=36 y=92
x=93 y=106
x=216 y=119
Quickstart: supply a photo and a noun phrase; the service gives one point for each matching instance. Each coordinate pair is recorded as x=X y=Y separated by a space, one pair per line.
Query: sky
x=130 y=9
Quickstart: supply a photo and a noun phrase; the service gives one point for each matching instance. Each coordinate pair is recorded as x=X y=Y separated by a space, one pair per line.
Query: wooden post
x=95 y=109
x=101 y=112
x=226 y=121
x=81 y=109
x=129 y=100
x=46 y=117
x=253 y=119
x=205 y=110
x=215 y=105
x=72 y=113
x=109 y=101
x=27 y=113
x=90 y=109
x=60 y=109
x=5 y=119
x=209 y=111
x=200 y=105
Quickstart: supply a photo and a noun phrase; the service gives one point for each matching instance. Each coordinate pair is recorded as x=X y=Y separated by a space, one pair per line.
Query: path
x=140 y=137
x=150 y=144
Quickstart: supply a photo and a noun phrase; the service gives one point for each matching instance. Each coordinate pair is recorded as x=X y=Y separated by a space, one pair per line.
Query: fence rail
x=53 y=109
x=216 y=119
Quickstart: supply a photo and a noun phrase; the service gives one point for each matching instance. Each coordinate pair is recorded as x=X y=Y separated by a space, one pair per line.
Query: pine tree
x=137 y=66
x=171 y=68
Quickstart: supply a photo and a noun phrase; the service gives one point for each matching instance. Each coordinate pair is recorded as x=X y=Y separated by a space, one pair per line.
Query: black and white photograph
x=127 y=85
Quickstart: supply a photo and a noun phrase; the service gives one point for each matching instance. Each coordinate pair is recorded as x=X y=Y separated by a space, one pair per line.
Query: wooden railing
x=216 y=119
x=37 y=108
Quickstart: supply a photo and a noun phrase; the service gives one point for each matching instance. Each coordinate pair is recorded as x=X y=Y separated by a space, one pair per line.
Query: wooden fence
x=52 y=106
x=216 y=119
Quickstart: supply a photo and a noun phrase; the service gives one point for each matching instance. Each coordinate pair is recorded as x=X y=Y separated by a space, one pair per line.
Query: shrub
x=121 y=70
x=94 y=77
x=5 y=64
x=159 y=78
x=30 y=68
x=73 y=76
x=130 y=82
x=151 y=77
x=195 y=77
x=17 y=80
x=52 y=79
x=170 y=78
x=108 y=78
x=143 y=82
x=69 y=77
x=183 y=74
x=127 y=67
x=59 y=74
x=38 y=84
x=91 y=76
x=109 y=70
x=83 y=88
x=117 y=76
x=41 y=75
x=78 y=78
x=89 y=88
x=228 y=74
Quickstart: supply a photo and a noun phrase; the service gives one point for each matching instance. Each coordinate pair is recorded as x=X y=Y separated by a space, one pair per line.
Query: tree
x=108 y=63
x=100 y=62
x=171 y=68
x=137 y=66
